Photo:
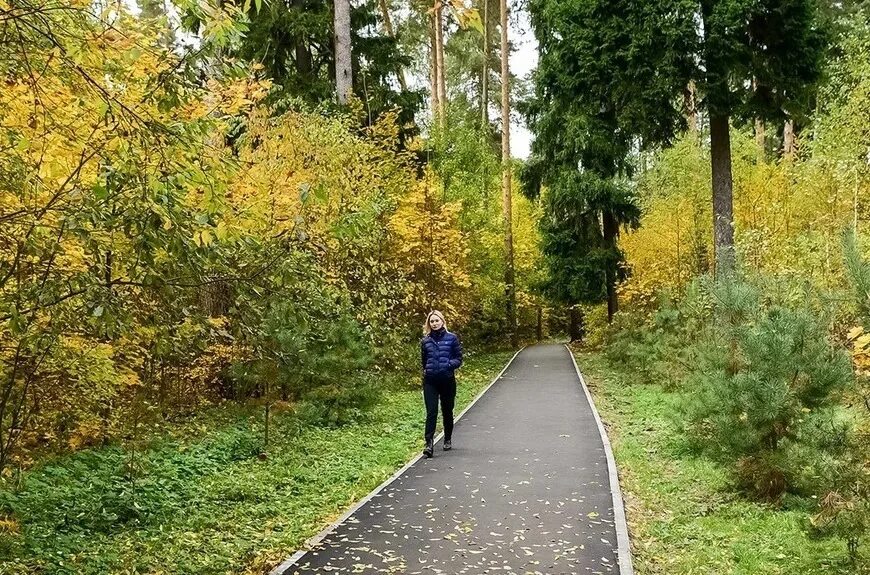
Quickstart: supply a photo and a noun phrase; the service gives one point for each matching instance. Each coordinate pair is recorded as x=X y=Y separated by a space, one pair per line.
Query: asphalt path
x=525 y=490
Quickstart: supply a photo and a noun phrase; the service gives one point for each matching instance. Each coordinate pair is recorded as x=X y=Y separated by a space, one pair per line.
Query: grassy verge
x=209 y=504
x=683 y=516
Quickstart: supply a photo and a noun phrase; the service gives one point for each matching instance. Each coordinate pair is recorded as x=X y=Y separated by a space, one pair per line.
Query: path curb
x=293 y=559
x=622 y=540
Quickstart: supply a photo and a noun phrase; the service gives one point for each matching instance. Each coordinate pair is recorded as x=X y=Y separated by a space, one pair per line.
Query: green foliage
x=760 y=370
x=174 y=238
x=293 y=41
x=202 y=501
x=581 y=156
x=617 y=73
x=685 y=515
x=580 y=258
x=859 y=273
x=637 y=59
x=300 y=339
x=467 y=161
x=760 y=389
x=844 y=507
x=101 y=213
x=653 y=350
x=307 y=345
x=843 y=514
x=607 y=60
x=758 y=365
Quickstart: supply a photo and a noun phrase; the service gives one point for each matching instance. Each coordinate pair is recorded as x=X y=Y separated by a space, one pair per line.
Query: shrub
x=844 y=506
x=307 y=345
x=654 y=350
x=760 y=371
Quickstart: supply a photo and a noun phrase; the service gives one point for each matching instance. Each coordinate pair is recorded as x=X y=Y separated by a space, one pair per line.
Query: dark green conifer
x=634 y=60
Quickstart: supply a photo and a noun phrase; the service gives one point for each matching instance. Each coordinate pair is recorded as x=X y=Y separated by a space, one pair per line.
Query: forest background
x=220 y=237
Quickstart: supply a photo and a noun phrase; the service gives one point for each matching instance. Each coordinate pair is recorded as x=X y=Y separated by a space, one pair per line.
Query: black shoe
x=447 y=445
x=429 y=449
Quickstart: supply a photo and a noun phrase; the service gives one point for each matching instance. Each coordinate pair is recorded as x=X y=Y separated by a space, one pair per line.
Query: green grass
x=684 y=517
x=206 y=503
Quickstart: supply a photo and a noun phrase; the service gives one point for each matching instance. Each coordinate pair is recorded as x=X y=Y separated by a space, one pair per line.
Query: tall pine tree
x=294 y=40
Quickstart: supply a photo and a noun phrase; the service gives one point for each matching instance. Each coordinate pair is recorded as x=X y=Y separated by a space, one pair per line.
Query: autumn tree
x=104 y=221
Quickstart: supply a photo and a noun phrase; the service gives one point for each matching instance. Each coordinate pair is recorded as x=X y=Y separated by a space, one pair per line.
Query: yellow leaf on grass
x=855 y=332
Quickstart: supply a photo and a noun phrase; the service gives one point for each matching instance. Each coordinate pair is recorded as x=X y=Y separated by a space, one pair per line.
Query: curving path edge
x=530 y=488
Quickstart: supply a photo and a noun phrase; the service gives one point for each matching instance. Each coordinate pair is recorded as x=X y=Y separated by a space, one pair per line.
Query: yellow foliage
x=859 y=342
x=9 y=525
x=788 y=218
x=90 y=141
x=206 y=367
x=529 y=269
x=432 y=252
x=672 y=244
x=120 y=198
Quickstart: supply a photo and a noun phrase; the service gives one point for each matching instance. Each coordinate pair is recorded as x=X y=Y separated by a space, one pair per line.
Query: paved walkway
x=525 y=490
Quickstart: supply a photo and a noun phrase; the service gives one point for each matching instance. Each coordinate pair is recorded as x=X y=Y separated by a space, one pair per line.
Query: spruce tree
x=581 y=155
x=583 y=259
x=747 y=60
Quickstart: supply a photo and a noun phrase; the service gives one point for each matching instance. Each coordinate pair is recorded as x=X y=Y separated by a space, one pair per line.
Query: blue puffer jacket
x=441 y=353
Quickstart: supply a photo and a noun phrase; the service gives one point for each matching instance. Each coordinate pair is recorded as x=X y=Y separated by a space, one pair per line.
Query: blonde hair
x=426 y=329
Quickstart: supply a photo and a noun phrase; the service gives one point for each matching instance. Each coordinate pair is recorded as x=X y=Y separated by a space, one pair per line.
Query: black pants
x=435 y=387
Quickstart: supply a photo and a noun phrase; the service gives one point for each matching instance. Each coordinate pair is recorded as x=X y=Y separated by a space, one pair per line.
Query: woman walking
x=441 y=354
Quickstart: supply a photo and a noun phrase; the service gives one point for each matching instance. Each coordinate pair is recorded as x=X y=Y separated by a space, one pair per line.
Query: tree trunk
x=485 y=133
x=723 y=220
x=539 y=332
x=759 y=140
x=433 y=71
x=266 y=418
x=484 y=76
x=439 y=64
x=388 y=28
x=303 y=52
x=759 y=132
x=576 y=329
x=611 y=233
x=267 y=413
x=788 y=138
x=303 y=59
x=691 y=109
x=510 y=288
x=343 y=72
